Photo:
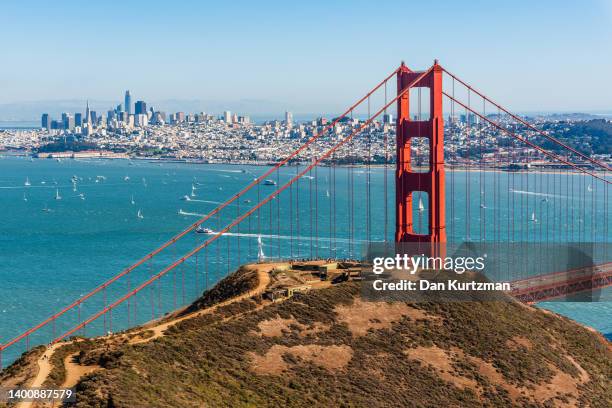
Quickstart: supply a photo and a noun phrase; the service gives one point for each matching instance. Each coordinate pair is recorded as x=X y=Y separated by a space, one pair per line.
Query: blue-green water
x=53 y=251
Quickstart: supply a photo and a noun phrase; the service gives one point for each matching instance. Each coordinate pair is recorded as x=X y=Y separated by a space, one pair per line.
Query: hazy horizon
x=303 y=57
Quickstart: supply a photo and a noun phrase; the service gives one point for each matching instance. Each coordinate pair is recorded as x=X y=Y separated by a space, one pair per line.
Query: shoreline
x=475 y=168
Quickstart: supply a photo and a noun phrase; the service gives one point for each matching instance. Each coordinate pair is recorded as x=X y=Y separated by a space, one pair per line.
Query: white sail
x=421 y=206
x=57 y=195
x=27 y=182
x=140 y=214
x=133 y=202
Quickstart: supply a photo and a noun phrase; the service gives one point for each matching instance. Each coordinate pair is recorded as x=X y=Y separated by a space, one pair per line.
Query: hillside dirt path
x=75 y=371
x=263 y=278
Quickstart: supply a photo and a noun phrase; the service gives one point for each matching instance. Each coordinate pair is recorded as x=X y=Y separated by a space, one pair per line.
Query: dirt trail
x=75 y=371
x=263 y=278
x=44 y=369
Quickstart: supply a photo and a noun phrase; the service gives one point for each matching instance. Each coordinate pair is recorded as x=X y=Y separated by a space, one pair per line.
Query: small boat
x=133 y=202
x=247 y=201
x=43 y=182
x=327 y=193
x=82 y=196
x=533 y=217
x=544 y=200
x=74 y=186
x=483 y=206
x=46 y=209
x=24 y=197
x=589 y=188
x=185 y=198
x=139 y=215
x=126 y=178
x=181 y=212
x=421 y=206
x=269 y=182
x=57 y=195
x=27 y=182
x=203 y=230
x=193 y=190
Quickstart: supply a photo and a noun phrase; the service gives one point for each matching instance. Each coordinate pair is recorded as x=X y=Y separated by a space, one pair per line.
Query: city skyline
x=306 y=61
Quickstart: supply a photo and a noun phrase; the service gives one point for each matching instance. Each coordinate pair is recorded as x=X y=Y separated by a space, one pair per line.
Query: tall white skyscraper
x=288 y=119
x=227 y=116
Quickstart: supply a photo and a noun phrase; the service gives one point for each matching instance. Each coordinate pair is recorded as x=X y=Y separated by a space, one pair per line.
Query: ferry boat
x=203 y=230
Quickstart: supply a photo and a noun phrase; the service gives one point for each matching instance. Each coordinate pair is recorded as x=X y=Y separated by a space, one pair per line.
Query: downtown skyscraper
x=128 y=102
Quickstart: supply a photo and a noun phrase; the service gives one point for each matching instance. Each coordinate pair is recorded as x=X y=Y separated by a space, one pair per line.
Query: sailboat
x=74 y=186
x=327 y=193
x=589 y=188
x=82 y=196
x=27 y=182
x=533 y=217
x=193 y=190
x=133 y=202
x=421 y=206
x=57 y=195
x=139 y=215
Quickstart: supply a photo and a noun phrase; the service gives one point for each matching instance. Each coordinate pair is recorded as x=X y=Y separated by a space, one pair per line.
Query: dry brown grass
x=362 y=316
x=332 y=358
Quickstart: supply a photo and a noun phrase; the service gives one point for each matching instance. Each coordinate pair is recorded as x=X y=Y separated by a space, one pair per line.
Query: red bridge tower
x=408 y=181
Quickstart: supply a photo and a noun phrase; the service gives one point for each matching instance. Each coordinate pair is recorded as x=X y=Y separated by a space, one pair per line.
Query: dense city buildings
x=140 y=131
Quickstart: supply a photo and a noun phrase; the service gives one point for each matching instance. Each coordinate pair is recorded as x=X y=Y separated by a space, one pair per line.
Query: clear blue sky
x=315 y=56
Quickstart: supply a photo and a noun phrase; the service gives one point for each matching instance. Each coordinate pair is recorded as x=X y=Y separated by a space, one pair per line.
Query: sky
x=309 y=56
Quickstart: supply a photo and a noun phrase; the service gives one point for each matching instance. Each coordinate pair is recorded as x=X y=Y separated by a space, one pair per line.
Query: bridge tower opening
x=407 y=180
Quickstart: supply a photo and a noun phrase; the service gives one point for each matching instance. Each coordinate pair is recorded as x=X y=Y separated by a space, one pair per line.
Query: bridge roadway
x=558 y=284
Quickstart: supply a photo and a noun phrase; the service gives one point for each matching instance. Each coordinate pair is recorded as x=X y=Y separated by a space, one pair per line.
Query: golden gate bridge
x=565 y=200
